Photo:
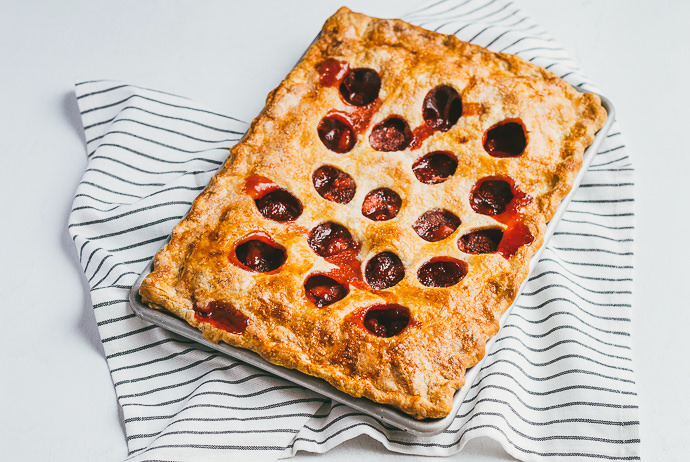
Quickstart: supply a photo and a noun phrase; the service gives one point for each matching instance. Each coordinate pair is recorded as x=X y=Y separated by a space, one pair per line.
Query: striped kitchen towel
x=558 y=383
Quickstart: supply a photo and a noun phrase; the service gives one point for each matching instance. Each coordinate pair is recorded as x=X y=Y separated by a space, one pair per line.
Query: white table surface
x=57 y=401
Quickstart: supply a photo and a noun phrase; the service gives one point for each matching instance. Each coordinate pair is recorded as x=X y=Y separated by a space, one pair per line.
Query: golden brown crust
x=418 y=370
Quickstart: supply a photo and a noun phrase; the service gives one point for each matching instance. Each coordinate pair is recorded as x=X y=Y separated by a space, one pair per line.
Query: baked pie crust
x=380 y=213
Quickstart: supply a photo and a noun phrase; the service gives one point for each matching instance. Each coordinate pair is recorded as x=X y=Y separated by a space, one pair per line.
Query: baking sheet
x=381 y=412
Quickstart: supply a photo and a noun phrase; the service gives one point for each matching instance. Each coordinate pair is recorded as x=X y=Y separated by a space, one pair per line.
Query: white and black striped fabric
x=558 y=383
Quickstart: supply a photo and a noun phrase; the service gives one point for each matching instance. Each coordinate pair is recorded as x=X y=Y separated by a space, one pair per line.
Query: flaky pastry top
x=440 y=331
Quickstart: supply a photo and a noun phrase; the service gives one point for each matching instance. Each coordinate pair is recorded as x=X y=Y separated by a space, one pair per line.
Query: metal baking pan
x=381 y=412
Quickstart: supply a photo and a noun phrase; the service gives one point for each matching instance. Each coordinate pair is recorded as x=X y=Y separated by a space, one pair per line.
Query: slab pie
x=380 y=213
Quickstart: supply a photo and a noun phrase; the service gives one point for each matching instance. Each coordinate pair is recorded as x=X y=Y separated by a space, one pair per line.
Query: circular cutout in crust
x=329 y=239
x=505 y=139
x=491 y=196
x=442 y=108
x=381 y=204
x=322 y=290
x=279 y=205
x=436 y=224
x=360 y=86
x=333 y=184
x=386 y=320
x=391 y=134
x=480 y=241
x=435 y=167
x=442 y=272
x=336 y=133
x=260 y=253
x=384 y=270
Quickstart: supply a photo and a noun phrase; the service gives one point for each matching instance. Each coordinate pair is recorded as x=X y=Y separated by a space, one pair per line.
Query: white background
x=56 y=397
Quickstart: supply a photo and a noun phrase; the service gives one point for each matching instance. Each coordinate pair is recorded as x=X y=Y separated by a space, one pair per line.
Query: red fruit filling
x=331 y=71
x=333 y=184
x=222 y=315
x=505 y=139
x=500 y=198
x=336 y=133
x=360 y=86
x=491 y=196
x=436 y=224
x=260 y=253
x=322 y=290
x=256 y=186
x=385 y=320
x=329 y=239
x=279 y=205
x=481 y=241
x=381 y=204
x=435 y=167
x=442 y=272
x=384 y=270
x=442 y=108
x=391 y=134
